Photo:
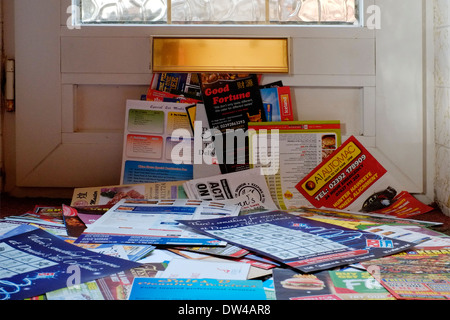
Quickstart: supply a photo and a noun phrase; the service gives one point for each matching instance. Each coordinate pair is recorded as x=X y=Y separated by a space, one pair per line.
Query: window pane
x=123 y=11
x=313 y=11
x=219 y=11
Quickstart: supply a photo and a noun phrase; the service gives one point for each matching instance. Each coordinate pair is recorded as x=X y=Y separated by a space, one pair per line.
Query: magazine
x=150 y=144
x=154 y=221
x=294 y=149
x=300 y=243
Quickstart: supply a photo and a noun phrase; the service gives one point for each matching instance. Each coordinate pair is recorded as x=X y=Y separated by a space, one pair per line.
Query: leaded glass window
x=263 y=12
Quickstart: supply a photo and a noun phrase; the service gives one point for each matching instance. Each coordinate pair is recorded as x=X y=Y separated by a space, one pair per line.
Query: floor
x=16 y=206
x=10 y=206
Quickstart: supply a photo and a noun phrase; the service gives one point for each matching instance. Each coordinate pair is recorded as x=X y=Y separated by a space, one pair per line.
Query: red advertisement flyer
x=350 y=179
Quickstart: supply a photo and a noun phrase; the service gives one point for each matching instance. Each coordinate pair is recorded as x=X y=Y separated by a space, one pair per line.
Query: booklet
x=154 y=221
x=288 y=151
x=300 y=243
x=196 y=289
x=36 y=262
x=148 y=142
x=351 y=179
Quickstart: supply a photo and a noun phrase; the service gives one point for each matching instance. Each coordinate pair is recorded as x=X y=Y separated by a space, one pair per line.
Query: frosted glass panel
x=324 y=11
x=219 y=11
x=123 y=11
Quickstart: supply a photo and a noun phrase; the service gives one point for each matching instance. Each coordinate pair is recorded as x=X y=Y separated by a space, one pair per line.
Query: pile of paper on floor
x=322 y=221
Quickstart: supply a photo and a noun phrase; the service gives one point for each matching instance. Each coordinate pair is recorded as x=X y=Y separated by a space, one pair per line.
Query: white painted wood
x=377 y=77
x=105 y=55
x=38 y=89
x=400 y=88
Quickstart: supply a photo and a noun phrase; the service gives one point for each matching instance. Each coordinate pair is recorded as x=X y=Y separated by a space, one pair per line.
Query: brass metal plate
x=202 y=54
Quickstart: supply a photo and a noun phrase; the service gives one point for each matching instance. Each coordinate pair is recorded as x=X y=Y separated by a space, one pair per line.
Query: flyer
x=291 y=285
x=154 y=221
x=190 y=268
x=357 y=285
x=298 y=242
x=149 y=143
x=404 y=205
x=196 y=289
x=209 y=164
x=301 y=147
x=414 y=275
x=231 y=102
x=247 y=187
x=277 y=103
x=155 y=95
x=328 y=285
x=116 y=286
x=351 y=179
x=110 y=195
x=185 y=84
x=36 y=262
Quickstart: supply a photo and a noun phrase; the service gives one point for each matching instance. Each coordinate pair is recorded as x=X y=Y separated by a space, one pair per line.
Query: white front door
x=72 y=85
